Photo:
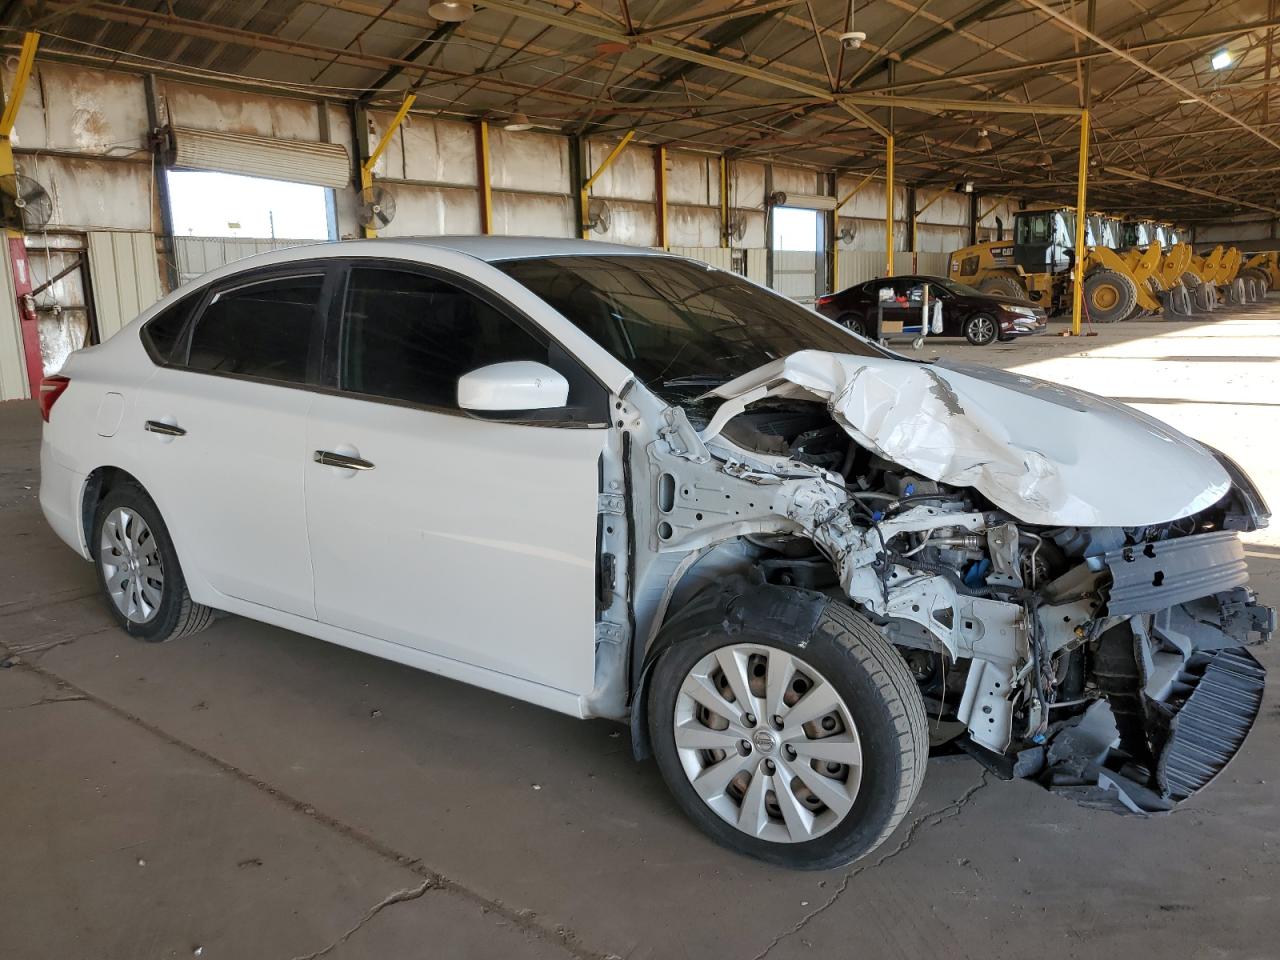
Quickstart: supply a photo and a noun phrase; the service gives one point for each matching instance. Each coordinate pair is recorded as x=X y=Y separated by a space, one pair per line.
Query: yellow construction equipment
x=1036 y=265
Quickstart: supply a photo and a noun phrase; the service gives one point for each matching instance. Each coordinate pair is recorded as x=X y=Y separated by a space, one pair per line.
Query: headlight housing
x=1029 y=312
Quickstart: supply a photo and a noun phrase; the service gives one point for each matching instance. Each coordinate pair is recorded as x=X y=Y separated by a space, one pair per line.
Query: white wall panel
x=432 y=211
x=93 y=194
x=631 y=222
x=631 y=176
x=440 y=151
x=125 y=277
x=693 y=179
x=13 y=364
x=237 y=111
x=797 y=180
x=746 y=185
x=529 y=161
x=533 y=215
x=932 y=264
x=693 y=226
x=82 y=110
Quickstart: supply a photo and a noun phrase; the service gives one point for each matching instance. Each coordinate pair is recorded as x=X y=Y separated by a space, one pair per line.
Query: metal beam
x=937 y=105
x=13 y=103
x=1071 y=59
x=1182 y=187
x=673 y=51
x=1058 y=17
x=586 y=186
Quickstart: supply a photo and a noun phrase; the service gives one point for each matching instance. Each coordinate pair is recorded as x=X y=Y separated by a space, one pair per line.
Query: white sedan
x=623 y=484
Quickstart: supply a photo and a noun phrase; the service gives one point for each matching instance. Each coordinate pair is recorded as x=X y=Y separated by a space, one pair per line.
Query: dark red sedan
x=981 y=318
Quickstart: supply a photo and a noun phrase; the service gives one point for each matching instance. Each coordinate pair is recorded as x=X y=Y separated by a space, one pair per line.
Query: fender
x=777 y=612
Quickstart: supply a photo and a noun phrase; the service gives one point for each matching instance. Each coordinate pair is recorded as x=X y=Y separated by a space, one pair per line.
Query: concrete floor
x=254 y=793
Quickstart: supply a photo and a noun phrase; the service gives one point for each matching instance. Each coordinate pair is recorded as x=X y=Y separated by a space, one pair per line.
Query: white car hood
x=1042 y=452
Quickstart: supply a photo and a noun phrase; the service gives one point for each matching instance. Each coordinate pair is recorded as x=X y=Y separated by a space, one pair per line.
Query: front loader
x=1037 y=264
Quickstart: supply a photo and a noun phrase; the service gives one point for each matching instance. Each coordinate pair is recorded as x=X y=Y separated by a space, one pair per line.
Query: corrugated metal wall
x=197 y=255
x=82 y=133
x=125 y=277
x=13 y=367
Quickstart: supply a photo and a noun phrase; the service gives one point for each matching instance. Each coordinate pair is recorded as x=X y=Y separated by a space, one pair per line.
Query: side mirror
x=514 y=385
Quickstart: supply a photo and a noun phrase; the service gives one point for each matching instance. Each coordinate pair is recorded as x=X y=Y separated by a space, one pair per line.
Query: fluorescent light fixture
x=1221 y=60
x=451 y=11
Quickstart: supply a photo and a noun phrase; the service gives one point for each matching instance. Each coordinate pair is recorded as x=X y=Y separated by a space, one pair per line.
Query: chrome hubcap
x=131 y=565
x=767 y=743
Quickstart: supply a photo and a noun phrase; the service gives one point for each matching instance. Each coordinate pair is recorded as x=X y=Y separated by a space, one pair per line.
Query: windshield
x=959 y=289
x=681 y=327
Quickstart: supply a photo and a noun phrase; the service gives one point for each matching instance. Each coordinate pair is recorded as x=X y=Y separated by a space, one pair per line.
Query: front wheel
x=980 y=330
x=804 y=752
x=138 y=568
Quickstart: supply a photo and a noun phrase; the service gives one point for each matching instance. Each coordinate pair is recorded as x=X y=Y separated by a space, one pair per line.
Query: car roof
x=493 y=249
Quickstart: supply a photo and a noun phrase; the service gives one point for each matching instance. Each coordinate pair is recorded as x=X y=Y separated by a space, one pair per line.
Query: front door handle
x=164 y=429
x=331 y=459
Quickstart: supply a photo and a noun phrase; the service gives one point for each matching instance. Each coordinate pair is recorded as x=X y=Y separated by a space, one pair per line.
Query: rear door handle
x=164 y=429
x=331 y=459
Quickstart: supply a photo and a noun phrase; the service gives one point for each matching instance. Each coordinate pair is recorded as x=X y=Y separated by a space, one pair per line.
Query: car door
x=223 y=435
x=465 y=536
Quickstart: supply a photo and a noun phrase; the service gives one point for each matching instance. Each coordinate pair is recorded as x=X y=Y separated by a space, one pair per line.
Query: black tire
x=1178 y=301
x=176 y=614
x=1236 y=293
x=1003 y=285
x=1205 y=296
x=1261 y=281
x=981 y=329
x=882 y=698
x=1110 y=296
x=854 y=323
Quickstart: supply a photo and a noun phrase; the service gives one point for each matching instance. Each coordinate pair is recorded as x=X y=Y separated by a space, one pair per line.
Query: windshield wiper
x=696 y=380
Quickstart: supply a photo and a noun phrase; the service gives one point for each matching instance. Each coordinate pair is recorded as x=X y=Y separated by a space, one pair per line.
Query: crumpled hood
x=1042 y=452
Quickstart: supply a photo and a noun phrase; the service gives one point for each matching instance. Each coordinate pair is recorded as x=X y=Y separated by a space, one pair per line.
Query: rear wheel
x=980 y=329
x=1110 y=296
x=804 y=751
x=1178 y=301
x=854 y=323
x=138 y=568
x=1003 y=285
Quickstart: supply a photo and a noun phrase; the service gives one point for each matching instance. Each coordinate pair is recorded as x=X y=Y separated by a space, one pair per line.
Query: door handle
x=331 y=459
x=164 y=429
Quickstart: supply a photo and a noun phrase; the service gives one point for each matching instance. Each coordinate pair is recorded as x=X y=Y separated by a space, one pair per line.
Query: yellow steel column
x=888 y=205
x=482 y=172
x=1082 y=179
x=586 y=187
x=724 y=201
x=660 y=188
x=366 y=168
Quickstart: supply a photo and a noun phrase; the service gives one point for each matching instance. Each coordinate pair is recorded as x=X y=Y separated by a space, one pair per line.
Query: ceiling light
x=517 y=121
x=451 y=11
x=1187 y=100
x=983 y=142
x=1221 y=60
x=1045 y=159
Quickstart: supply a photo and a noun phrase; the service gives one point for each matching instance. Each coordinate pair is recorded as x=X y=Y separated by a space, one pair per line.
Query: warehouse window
x=207 y=204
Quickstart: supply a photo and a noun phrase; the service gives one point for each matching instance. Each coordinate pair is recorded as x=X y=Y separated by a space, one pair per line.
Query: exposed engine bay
x=1106 y=662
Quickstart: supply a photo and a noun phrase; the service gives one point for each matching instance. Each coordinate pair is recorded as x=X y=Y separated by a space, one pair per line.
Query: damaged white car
x=623 y=484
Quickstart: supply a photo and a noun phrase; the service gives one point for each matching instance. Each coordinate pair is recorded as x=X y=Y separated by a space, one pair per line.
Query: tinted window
x=679 y=326
x=408 y=336
x=263 y=329
x=161 y=333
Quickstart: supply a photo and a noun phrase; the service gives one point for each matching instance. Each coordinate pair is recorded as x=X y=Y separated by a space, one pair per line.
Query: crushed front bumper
x=1178 y=691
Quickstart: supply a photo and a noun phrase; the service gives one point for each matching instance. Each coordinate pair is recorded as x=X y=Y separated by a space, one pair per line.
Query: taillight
x=823 y=301
x=51 y=388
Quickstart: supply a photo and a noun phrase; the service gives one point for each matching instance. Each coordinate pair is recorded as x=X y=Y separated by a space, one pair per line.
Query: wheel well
x=96 y=486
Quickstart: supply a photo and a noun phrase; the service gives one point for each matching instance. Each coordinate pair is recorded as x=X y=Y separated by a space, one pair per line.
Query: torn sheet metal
x=1045 y=453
